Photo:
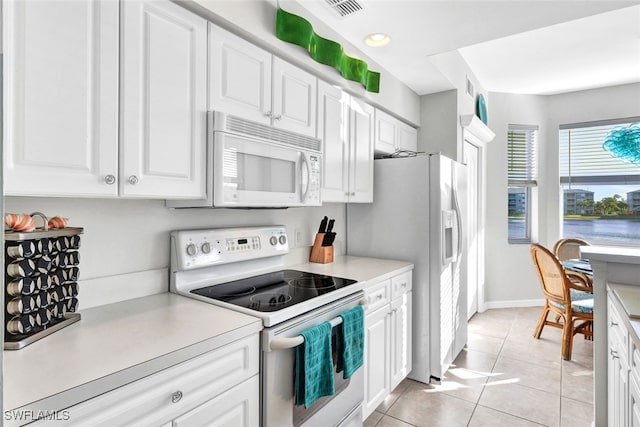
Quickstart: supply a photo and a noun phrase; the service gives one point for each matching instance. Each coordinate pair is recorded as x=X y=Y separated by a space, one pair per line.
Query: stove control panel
x=202 y=248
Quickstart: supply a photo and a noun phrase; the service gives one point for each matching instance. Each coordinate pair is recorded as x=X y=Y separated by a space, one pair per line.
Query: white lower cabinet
x=219 y=388
x=623 y=366
x=387 y=338
x=238 y=407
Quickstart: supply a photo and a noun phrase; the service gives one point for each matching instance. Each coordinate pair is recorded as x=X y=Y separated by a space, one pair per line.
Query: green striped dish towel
x=350 y=341
x=314 y=366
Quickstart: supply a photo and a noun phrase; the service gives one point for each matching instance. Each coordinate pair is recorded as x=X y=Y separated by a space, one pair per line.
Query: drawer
x=378 y=295
x=163 y=396
x=401 y=284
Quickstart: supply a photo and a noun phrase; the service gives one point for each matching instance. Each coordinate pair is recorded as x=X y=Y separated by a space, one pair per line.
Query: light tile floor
x=504 y=377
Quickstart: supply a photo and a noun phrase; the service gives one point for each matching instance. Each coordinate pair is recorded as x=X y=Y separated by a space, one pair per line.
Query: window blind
x=584 y=161
x=521 y=142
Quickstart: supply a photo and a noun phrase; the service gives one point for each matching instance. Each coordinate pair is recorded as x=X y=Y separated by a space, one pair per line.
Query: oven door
x=277 y=391
x=255 y=173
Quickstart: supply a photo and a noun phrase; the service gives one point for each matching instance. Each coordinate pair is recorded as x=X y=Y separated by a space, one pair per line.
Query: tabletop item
x=322 y=250
x=40 y=278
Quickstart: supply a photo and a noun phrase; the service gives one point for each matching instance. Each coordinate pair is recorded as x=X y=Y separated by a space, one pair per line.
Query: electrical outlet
x=298 y=237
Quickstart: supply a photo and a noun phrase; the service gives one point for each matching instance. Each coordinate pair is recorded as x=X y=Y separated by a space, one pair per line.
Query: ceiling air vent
x=345 y=7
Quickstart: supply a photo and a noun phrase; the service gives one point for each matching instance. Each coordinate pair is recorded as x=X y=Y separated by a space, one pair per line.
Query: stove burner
x=313 y=283
x=270 y=299
x=244 y=293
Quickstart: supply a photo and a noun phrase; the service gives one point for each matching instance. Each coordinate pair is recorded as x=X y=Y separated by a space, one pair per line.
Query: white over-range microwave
x=252 y=165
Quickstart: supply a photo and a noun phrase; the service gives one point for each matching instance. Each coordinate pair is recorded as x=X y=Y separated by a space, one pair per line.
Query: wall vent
x=345 y=7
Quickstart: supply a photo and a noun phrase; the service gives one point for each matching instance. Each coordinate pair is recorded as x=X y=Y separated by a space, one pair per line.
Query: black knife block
x=321 y=254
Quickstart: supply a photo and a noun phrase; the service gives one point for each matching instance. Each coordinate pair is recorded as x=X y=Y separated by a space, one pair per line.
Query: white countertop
x=118 y=343
x=358 y=268
x=616 y=254
x=115 y=344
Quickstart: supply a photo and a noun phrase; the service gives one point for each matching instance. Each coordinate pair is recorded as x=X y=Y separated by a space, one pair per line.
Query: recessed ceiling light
x=377 y=39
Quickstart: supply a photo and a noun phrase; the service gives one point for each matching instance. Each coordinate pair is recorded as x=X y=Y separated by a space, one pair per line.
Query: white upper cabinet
x=249 y=82
x=333 y=108
x=61 y=97
x=63 y=76
x=294 y=98
x=386 y=132
x=240 y=82
x=392 y=135
x=360 y=152
x=163 y=111
x=407 y=137
x=345 y=125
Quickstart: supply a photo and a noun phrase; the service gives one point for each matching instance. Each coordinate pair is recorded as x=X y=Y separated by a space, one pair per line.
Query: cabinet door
x=400 y=338
x=163 y=111
x=239 y=77
x=377 y=357
x=634 y=402
x=361 y=152
x=294 y=98
x=238 y=407
x=333 y=125
x=407 y=137
x=61 y=97
x=386 y=132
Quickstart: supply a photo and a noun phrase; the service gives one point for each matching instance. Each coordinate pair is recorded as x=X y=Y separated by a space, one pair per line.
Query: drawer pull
x=176 y=397
x=614 y=354
x=379 y=296
x=614 y=323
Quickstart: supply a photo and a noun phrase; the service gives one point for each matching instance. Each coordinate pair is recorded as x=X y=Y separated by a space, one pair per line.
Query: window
x=601 y=192
x=521 y=144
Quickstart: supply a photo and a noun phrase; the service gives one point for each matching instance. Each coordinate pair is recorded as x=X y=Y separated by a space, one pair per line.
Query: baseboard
x=488 y=305
x=122 y=287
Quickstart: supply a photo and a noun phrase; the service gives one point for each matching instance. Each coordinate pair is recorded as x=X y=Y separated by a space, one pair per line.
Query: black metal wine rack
x=41 y=283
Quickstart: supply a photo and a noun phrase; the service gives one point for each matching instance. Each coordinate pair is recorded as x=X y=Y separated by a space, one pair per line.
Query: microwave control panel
x=202 y=248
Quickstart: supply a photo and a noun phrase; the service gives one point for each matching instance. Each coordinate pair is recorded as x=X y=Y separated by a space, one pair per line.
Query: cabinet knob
x=133 y=180
x=353 y=194
x=278 y=117
x=614 y=323
x=110 y=179
x=614 y=354
x=176 y=397
x=268 y=114
x=379 y=296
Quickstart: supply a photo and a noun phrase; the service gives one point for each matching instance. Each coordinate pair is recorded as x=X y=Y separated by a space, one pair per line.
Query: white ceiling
x=531 y=47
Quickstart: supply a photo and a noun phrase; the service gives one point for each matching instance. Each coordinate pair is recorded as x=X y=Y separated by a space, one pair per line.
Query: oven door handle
x=286 y=343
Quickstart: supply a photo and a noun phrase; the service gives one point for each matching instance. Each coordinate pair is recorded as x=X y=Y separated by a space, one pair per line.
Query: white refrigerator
x=417 y=216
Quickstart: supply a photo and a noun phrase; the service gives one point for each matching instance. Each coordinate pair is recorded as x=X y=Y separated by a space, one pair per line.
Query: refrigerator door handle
x=456 y=207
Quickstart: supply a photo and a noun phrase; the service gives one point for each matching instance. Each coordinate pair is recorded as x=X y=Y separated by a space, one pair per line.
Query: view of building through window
x=601 y=193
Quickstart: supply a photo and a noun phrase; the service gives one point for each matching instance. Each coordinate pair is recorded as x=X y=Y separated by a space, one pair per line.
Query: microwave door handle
x=307 y=174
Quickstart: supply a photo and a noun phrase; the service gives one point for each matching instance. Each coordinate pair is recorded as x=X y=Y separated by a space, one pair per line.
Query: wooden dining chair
x=571 y=301
x=568 y=248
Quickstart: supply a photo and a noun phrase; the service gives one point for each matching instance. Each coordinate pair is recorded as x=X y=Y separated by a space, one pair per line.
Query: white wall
x=125 y=236
x=255 y=20
x=510 y=277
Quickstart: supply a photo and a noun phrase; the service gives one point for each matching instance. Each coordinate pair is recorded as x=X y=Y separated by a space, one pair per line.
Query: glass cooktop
x=274 y=291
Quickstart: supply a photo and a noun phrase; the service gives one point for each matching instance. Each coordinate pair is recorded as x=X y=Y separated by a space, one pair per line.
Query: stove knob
x=283 y=239
x=192 y=249
x=206 y=248
x=273 y=240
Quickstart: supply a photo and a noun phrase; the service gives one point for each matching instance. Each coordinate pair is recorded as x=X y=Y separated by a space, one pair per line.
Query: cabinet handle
x=278 y=117
x=404 y=285
x=614 y=354
x=614 y=323
x=176 y=397
x=379 y=296
x=268 y=114
x=346 y=194
x=133 y=180
x=110 y=179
